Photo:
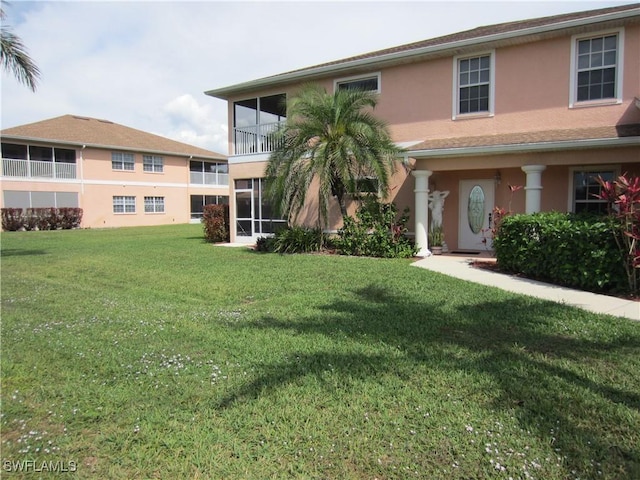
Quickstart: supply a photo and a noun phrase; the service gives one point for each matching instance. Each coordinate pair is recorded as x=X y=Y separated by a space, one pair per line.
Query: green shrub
x=576 y=251
x=266 y=244
x=215 y=219
x=292 y=240
x=376 y=232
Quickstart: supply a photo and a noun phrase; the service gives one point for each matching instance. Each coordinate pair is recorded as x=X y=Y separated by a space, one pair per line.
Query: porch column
x=533 y=188
x=421 y=211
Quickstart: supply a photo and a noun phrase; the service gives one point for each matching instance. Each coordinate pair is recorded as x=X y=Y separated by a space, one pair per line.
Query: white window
x=369 y=82
x=122 y=161
x=153 y=204
x=474 y=85
x=152 y=163
x=122 y=204
x=585 y=189
x=596 y=69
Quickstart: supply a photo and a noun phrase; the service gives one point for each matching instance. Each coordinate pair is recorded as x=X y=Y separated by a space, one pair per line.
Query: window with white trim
x=474 y=84
x=596 y=66
x=152 y=163
x=124 y=204
x=122 y=161
x=362 y=82
x=153 y=204
x=586 y=190
x=199 y=201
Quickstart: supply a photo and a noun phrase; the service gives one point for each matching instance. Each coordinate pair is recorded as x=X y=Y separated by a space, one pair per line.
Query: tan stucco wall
x=97 y=183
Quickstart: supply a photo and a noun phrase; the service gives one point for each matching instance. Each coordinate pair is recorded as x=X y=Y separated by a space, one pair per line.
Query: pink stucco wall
x=532 y=94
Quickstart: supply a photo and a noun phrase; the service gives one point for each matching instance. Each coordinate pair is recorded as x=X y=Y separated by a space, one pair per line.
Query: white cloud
x=147 y=64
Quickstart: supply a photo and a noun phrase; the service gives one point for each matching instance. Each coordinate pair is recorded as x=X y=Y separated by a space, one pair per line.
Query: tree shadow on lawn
x=20 y=252
x=548 y=380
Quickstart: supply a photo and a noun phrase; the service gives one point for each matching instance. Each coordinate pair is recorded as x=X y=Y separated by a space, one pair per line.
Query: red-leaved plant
x=497 y=215
x=623 y=200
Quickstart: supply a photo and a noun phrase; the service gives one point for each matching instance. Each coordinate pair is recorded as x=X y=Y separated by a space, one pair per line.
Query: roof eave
x=225 y=92
x=523 y=147
x=110 y=147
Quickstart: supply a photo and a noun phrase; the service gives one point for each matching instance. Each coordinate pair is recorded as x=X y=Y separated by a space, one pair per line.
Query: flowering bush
x=623 y=202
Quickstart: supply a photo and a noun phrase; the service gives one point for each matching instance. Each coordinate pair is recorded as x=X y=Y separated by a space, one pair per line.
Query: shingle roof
x=77 y=130
x=476 y=36
x=538 y=138
x=483 y=32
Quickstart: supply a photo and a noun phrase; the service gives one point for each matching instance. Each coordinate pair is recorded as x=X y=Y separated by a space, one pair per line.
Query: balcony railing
x=209 y=178
x=12 y=167
x=255 y=138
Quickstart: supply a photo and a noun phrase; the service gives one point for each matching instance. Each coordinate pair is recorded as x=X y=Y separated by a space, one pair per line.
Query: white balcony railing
x=255 y=138
x=209 y=178
x=12 y=167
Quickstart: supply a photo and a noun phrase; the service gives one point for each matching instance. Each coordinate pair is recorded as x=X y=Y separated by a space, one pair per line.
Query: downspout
x=82 y=169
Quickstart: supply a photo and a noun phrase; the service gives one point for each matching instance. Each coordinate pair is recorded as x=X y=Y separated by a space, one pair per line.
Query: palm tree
x=334 y=139
x=14 y=57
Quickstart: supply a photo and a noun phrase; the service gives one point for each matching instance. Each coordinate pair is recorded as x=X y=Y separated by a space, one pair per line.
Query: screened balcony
x=255 y=122
x=38 y=162
x=208 y=173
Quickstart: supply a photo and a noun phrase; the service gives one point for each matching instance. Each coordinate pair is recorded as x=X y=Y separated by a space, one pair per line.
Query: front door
x=476 y=206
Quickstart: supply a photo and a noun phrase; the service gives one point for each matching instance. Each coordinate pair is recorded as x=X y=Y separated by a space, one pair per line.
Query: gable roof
x=85 y=131
x=457 y=43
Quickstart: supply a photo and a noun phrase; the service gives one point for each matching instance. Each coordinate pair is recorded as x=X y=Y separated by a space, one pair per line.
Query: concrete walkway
x=459 y=266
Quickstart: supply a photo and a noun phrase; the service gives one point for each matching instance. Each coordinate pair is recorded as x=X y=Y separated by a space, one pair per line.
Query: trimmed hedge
x=576 y=251
x=215 y=220
x=49 y=218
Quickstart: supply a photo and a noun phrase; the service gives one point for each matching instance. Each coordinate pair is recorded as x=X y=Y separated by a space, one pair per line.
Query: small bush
x=376 y=232
x=70 y=218
x=576 y=251
x=216 y=223
x=12 y=219
x=293 y=240
x=265 y=244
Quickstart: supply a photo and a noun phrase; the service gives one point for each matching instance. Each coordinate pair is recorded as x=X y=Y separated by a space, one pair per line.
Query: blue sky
x=146 y=64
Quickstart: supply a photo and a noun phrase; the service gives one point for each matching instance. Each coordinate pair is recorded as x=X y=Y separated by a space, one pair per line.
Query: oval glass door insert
x=476 y=209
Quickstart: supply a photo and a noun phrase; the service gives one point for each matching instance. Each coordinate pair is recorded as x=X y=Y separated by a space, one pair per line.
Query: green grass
x=147 y=353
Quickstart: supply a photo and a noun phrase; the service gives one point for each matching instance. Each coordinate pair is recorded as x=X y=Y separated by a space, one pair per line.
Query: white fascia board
x=225 y=92
x=109 y=147
x=524 y=147
x=254 y=158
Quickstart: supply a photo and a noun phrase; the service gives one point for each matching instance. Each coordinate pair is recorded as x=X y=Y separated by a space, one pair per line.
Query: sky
x=147 y=64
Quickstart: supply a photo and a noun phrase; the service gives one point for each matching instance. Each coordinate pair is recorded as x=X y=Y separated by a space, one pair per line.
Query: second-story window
x=152 y=163
x=254 y=122
x=595 y=68
x=474 y=89
x=208 y=173
x=122 y=161
x=367 y=83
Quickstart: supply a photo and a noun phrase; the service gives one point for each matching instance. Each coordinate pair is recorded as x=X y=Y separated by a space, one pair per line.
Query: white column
x=533 y=188
x=421 y=212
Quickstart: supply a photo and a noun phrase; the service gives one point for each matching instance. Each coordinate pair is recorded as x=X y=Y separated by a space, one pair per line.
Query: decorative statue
x=436 y=205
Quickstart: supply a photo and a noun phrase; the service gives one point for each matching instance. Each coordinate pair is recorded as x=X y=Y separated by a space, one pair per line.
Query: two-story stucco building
x=546 y=103
x=118 y=175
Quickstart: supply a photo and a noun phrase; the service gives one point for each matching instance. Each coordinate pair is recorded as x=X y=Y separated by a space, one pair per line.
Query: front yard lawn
x=147 y=353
